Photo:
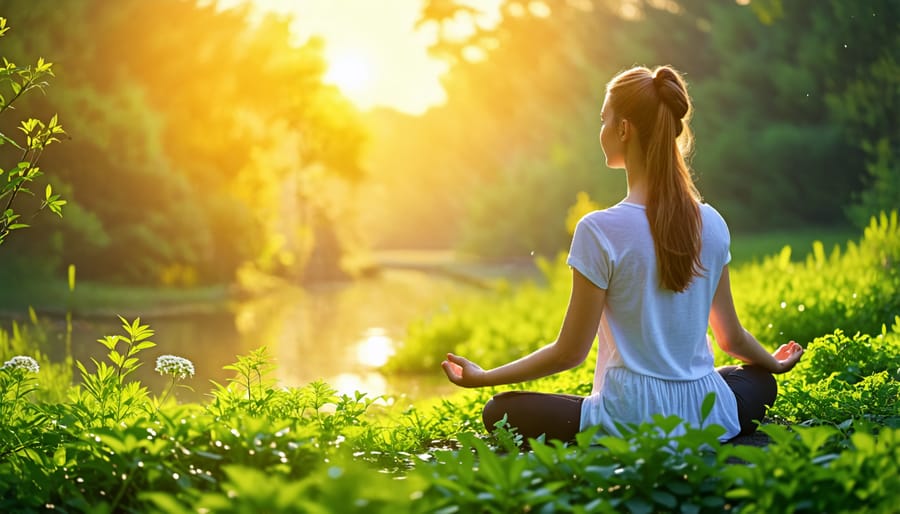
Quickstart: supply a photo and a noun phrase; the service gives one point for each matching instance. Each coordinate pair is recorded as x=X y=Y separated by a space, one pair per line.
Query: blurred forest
x=202 y=143
x=797 y=108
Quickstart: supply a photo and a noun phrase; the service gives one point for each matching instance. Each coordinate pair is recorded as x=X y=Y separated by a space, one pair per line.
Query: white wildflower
x=22 y=362
x=174 y=366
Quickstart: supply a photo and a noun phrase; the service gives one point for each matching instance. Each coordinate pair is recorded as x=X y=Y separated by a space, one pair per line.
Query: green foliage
x=32 y=338
x=856 y=289
x=254 y=447
x=844 y=378
x=38 y=135
x=649 y=472
x=802 y=472
x=104 y=397
x=883 y=191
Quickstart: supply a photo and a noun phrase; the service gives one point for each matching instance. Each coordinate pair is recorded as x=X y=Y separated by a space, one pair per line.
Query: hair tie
x=658 y=80
x=672 y=96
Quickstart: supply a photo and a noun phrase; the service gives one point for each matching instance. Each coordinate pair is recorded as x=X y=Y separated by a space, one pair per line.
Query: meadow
x=109 y=444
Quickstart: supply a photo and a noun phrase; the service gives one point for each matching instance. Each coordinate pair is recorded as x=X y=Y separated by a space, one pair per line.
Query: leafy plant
x=38 y=135
x=104 y=396
x=842 y=378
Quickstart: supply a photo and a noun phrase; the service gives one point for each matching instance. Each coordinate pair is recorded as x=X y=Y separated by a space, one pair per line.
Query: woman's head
x=646 y=115
x=648 y=106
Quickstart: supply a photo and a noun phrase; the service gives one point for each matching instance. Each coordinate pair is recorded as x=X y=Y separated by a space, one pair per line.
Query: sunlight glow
x=351 y=72
x=376 y=55
x=375 y=349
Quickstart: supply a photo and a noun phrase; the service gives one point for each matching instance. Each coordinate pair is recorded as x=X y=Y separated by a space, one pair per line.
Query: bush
x=854 y=290
x=114 y=446
x=842 y=378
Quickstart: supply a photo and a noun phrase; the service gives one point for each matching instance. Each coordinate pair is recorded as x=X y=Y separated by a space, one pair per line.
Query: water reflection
x=341 y=333
x=375 y=349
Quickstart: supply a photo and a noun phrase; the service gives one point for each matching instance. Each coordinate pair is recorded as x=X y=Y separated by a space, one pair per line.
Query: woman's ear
x=624 y=130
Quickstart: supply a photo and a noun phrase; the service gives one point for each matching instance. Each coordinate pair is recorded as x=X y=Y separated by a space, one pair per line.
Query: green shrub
x=855 y=290
x=114 y=446
x=649 y=472
x=843 y=378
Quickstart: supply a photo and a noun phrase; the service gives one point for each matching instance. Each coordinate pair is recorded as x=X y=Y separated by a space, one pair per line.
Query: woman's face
x=610 y=137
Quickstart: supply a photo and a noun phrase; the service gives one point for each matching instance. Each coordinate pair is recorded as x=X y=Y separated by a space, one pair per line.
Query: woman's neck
x=637 y=185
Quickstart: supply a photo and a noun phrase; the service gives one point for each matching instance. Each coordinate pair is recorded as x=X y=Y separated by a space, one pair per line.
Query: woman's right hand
x=787 y=356
x=462 y=371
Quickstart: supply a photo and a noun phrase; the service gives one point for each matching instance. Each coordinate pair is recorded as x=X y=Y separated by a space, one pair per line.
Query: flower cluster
x=174 y=366
x=22 y=362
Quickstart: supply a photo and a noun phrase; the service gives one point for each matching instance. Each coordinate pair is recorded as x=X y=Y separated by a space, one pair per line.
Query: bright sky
x=375 y=54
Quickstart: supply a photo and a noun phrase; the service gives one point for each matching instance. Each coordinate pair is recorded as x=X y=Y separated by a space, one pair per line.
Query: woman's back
x=645 y=328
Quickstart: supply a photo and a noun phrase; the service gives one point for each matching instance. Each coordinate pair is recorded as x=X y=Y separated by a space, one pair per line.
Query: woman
x=649 y=276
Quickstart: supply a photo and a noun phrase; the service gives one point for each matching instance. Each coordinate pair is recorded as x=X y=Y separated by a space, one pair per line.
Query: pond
x=341 y=332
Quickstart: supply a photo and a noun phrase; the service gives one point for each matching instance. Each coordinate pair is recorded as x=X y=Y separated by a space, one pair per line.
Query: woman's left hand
x=463 y=372
x=787 y=356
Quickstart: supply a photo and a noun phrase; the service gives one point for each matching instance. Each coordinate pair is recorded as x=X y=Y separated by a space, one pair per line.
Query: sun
x=352 y=72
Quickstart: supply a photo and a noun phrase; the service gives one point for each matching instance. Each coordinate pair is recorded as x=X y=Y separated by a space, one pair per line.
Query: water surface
x=340 y=332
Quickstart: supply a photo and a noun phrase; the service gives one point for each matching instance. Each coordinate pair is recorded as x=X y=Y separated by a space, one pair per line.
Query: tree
x=204 y=144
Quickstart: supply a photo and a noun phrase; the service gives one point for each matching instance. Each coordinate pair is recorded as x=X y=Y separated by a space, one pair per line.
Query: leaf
x=638 y=506
x=614 y=444
x=143 y=345
x=116 y=358
x=663 y=498
x=59 y=456
x=708 y=403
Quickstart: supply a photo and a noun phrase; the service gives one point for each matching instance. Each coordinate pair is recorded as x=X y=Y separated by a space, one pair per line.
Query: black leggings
x=559 y=415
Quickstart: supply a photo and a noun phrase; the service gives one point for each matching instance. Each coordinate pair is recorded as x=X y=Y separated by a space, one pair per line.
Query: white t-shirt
x=654 y=355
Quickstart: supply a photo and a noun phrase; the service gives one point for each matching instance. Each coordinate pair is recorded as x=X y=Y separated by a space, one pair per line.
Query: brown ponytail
x=656 y=102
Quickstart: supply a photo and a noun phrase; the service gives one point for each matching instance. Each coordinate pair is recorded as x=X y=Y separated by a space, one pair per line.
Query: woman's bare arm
x=736 y=341
x=569 y=350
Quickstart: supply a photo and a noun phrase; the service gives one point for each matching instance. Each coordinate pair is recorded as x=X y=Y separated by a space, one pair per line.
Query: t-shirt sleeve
x=725 y=236
x=589 y=254
x=721 y=236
